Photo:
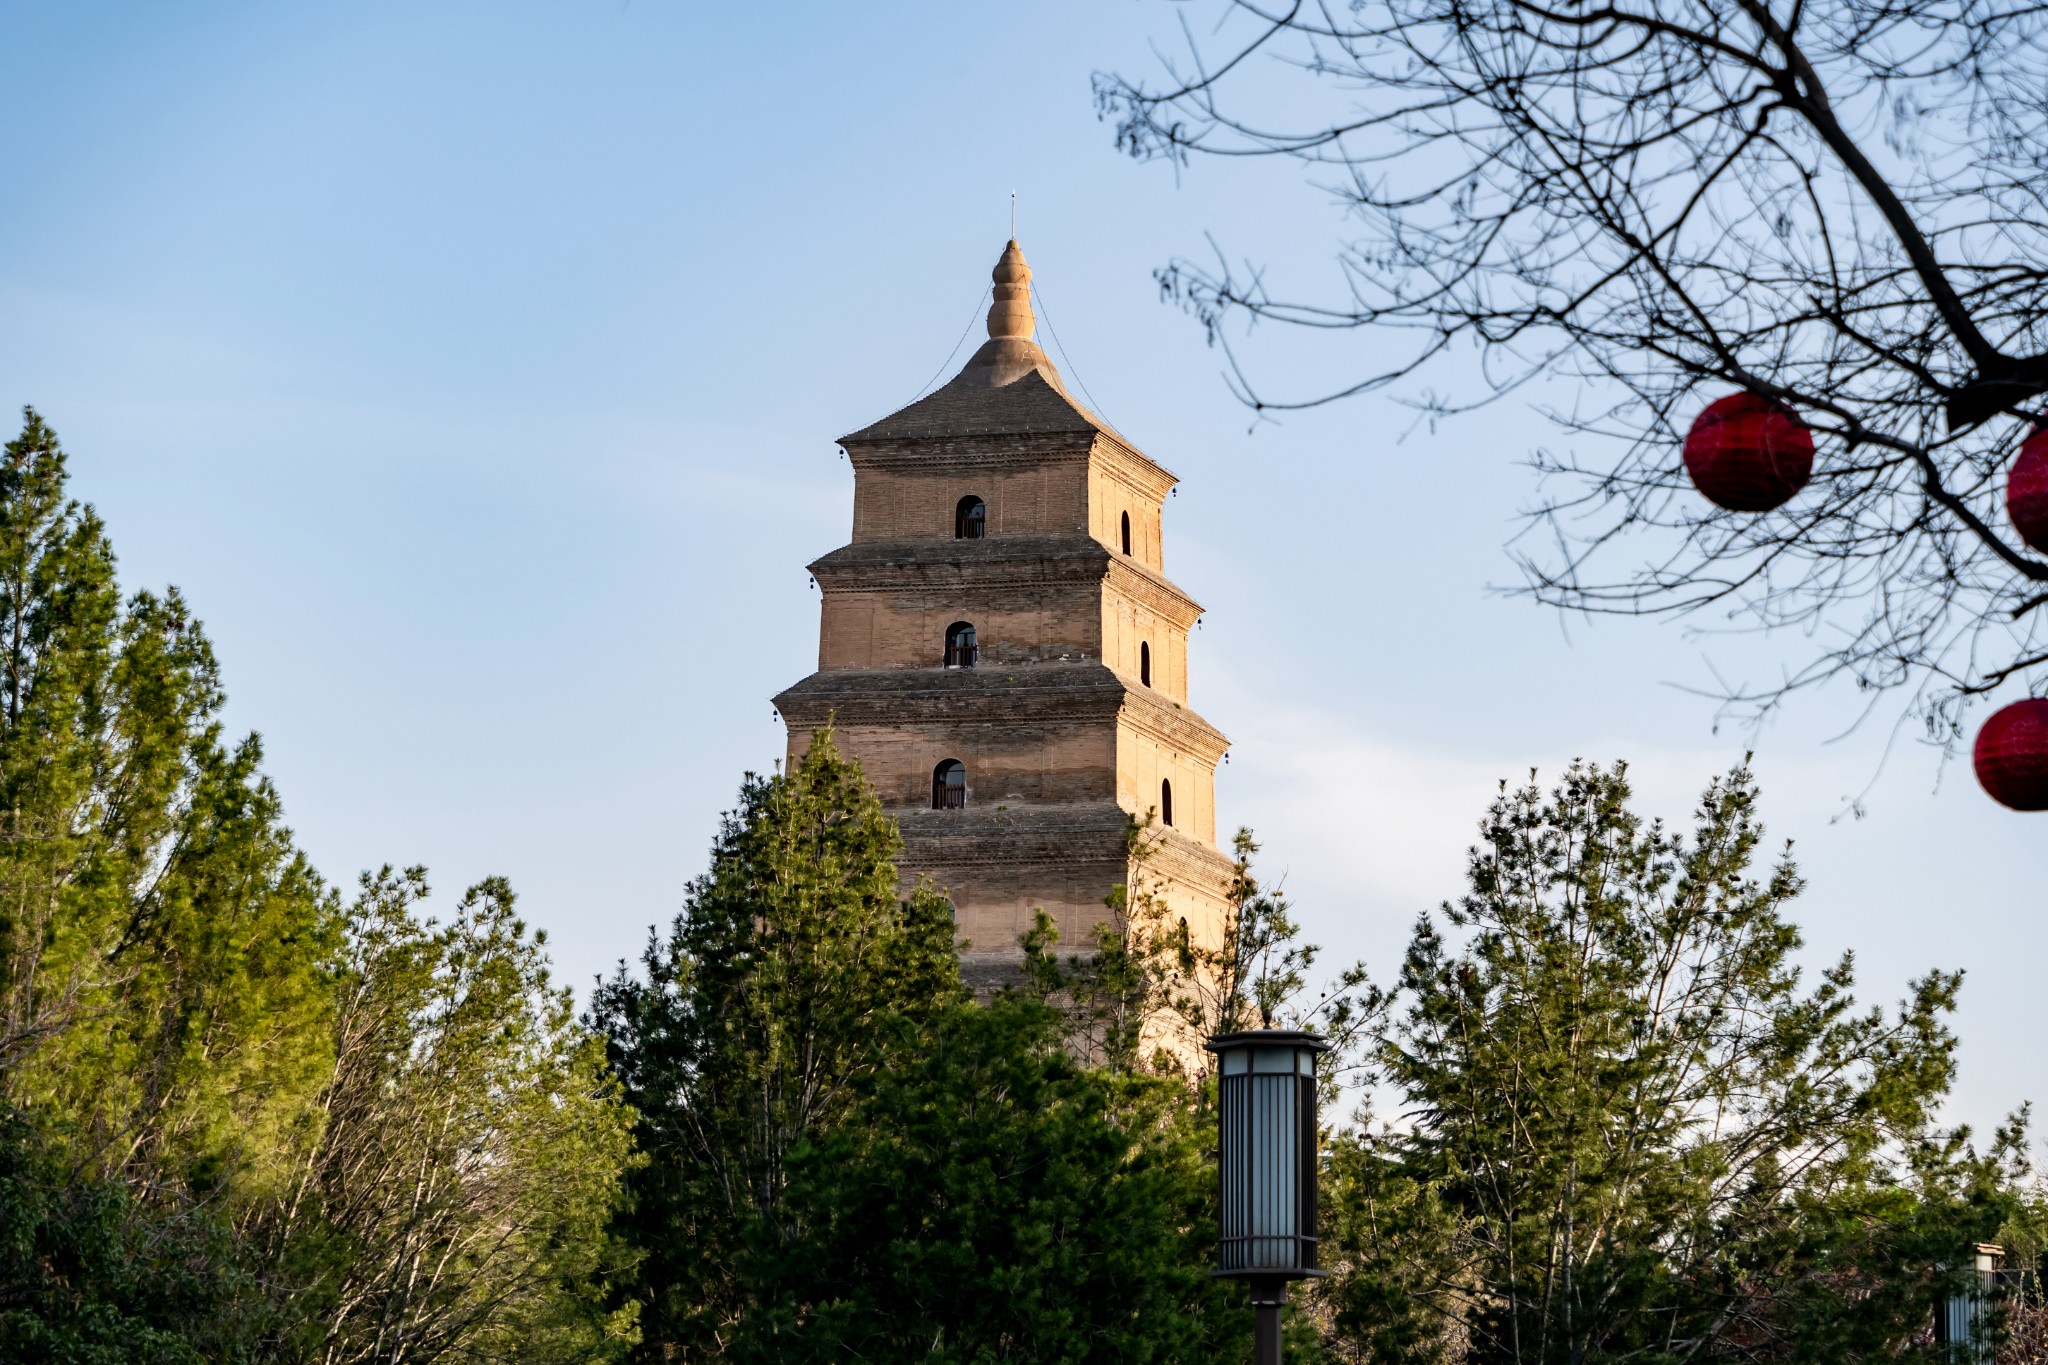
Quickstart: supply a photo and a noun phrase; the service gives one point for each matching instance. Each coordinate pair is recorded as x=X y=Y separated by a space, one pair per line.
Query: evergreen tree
x=185 y=1174
x=1632 y=1133
x=89 y=1276
x=992 y=1199
x=849 y=1159
x=164 y=947
x=759 y=1015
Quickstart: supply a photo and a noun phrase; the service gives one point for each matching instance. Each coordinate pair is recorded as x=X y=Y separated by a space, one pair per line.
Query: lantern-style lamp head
x=1266 y=1100
x=1266 y=1222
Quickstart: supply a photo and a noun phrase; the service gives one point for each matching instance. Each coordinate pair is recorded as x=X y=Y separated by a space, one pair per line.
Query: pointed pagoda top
x=1009 y=353
x=1010 y=314
x=1008 y=385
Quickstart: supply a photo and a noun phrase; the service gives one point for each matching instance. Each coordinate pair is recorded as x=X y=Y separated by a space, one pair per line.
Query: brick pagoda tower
x=1002 y=650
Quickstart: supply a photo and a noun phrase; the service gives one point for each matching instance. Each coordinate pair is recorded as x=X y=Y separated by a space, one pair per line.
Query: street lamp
x=1266 y=1223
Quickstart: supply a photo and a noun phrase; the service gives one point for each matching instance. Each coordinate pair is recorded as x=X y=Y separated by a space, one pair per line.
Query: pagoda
x=1001 y=649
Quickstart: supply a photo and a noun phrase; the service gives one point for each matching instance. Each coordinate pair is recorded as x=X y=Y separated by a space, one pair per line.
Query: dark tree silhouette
x=1839 y=203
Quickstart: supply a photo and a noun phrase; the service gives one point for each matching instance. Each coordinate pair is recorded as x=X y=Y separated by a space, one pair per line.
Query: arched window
x=1144 y=663
x=1165 y=801
x=1127 y=533
x=960 y=647
x=970 y=519
x=949 y=786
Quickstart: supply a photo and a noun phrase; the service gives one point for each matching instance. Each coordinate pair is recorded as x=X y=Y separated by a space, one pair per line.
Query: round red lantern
x=2012 y=755
x=2026 y=489
x=1748 y=453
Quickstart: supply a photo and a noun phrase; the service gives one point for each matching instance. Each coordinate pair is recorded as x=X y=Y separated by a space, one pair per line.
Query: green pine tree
x=992 y=1199
x=89 y=1275
x=758 y=1017
x=164 y=947
x=238 y=1123
x=1631 y=1131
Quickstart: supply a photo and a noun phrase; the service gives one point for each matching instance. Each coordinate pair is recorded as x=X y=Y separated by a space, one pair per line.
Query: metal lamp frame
x=1266 y=1105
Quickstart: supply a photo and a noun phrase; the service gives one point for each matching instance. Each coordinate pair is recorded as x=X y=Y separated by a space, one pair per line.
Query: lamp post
x=1266 y=1219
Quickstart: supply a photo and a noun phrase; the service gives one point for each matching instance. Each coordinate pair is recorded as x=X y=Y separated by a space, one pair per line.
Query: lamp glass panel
x=1267 y=1113
x=1275 y=1145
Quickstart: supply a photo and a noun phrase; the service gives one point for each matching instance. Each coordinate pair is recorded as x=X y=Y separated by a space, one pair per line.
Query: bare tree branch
x=1842 y=204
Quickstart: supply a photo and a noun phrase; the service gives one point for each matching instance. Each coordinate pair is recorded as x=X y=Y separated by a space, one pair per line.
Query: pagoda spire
x=1010 y=352
x=1010 y=314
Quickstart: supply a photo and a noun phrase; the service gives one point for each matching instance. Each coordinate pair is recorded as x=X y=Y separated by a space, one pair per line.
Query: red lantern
x=1748 y=453
x=2012 y=755
x=2026 y=489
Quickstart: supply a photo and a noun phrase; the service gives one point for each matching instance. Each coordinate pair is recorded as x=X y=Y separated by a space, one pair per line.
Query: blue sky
x=475 y=369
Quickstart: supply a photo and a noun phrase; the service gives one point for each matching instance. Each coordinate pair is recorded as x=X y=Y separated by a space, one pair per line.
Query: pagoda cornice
x=993 y=835
x=970 y=450
x=1000 y=449
x=1176 y=856
x=990 y=836
x=1133 y=468
x=1012 y=694
x=1018 y=694
x=1174 y=725
x=887 y=564
x=1138 y=583
x=999 y=562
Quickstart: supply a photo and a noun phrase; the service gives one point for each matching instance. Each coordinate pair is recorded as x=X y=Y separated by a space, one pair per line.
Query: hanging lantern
x=2026 y=489
x=2012 y=755
x=1748 y=453
x=1266 y=1225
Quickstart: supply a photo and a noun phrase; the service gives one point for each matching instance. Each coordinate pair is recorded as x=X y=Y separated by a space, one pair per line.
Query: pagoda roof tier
x=999 y=561
x=1027 y=406
x=987 y=835
x=1017 y=694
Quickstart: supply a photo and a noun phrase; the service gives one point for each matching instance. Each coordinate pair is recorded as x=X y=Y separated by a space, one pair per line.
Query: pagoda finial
x=1010 y=314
